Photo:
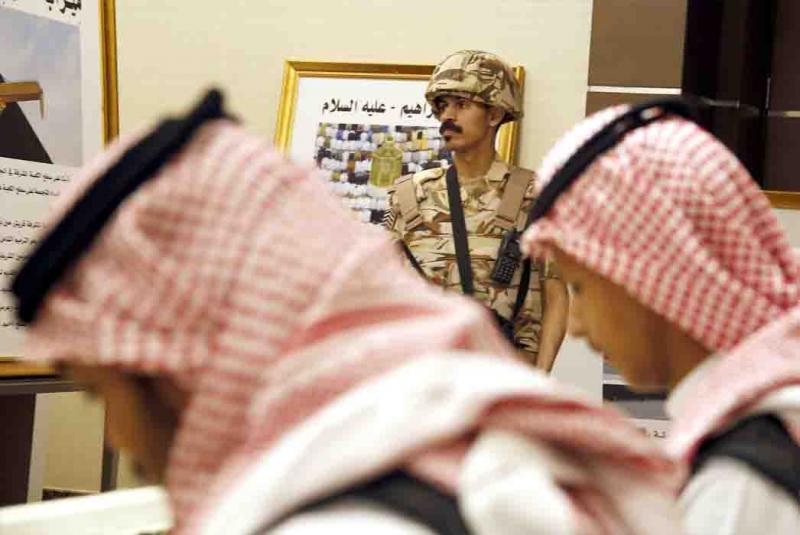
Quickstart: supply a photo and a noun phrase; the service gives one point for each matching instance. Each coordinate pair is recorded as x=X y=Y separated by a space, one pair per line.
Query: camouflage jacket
x=433 y=247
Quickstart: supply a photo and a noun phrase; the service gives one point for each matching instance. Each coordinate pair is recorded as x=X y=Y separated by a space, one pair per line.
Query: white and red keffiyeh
x=673 y=217
x=752 y=378
x=237 y=275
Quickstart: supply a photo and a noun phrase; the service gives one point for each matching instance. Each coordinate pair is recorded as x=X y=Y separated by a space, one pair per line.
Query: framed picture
x=340 y=114
x=58 y=106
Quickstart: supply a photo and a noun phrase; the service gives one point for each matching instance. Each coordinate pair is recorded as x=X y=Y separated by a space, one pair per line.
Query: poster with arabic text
x=55 y=113
x=341 y=123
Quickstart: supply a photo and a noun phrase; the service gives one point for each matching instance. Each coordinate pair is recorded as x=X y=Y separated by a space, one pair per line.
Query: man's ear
x=496 y=116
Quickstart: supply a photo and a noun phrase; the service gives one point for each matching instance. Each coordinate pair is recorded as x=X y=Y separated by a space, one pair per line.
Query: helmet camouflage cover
x=479 y=76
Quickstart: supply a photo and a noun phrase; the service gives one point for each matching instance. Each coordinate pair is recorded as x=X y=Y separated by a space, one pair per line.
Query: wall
x=169 y=51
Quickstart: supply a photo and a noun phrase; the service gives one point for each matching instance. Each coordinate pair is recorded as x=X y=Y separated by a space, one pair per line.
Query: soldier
x=473 y=93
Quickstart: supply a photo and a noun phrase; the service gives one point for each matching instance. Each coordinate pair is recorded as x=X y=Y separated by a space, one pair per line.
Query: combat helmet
x=479 y=76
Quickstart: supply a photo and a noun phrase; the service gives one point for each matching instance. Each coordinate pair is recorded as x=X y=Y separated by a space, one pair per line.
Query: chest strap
x=516 y=186
x=407 y=200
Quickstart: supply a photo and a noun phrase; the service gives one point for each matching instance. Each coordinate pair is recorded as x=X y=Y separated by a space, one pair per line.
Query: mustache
x=450 y=125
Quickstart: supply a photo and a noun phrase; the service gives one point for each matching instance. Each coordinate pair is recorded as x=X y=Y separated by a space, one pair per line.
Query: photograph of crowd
x=361 y=161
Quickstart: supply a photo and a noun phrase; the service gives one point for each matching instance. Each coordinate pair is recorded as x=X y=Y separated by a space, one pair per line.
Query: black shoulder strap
x=403 y=494
x=762 y=443
x=411 y=258
x=459 y=231
x=522 y=290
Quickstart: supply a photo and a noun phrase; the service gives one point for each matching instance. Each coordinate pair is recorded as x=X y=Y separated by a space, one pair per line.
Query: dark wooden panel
x=727 y=62
x=16 y=434
x=637 y=43
x=782 y=169
x=702 y=47
x=727 y=50
x=785 y=90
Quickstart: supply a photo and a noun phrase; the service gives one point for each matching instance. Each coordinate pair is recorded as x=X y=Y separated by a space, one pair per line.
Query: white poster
x=51 y=121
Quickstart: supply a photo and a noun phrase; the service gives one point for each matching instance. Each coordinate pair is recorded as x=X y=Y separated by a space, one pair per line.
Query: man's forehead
x=449 y=98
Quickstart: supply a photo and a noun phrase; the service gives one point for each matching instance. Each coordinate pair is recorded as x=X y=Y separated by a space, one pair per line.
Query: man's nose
x=447 y=113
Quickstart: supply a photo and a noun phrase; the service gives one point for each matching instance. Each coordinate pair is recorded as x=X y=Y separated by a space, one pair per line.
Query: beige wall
x=73 y=444
x=74 y=441
x=169 y=50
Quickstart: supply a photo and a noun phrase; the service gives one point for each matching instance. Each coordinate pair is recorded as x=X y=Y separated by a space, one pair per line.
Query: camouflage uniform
x=433 y=247
x=484 y=78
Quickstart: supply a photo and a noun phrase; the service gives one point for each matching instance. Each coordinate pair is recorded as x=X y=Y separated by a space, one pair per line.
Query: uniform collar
x=497 y=173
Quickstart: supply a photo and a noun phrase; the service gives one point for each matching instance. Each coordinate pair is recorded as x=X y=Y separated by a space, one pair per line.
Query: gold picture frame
x=294 y=71
x=108 y=58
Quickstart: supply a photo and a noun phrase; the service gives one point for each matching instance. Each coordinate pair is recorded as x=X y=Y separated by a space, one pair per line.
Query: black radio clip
x=508 y=258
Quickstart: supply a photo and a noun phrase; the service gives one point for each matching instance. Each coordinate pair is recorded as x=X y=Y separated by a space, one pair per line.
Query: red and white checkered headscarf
x=236 y=274
x=672 y=216
x=767 y=361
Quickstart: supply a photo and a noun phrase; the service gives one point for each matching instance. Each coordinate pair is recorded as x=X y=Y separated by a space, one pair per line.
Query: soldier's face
x=628 y=335
x=466 y=124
